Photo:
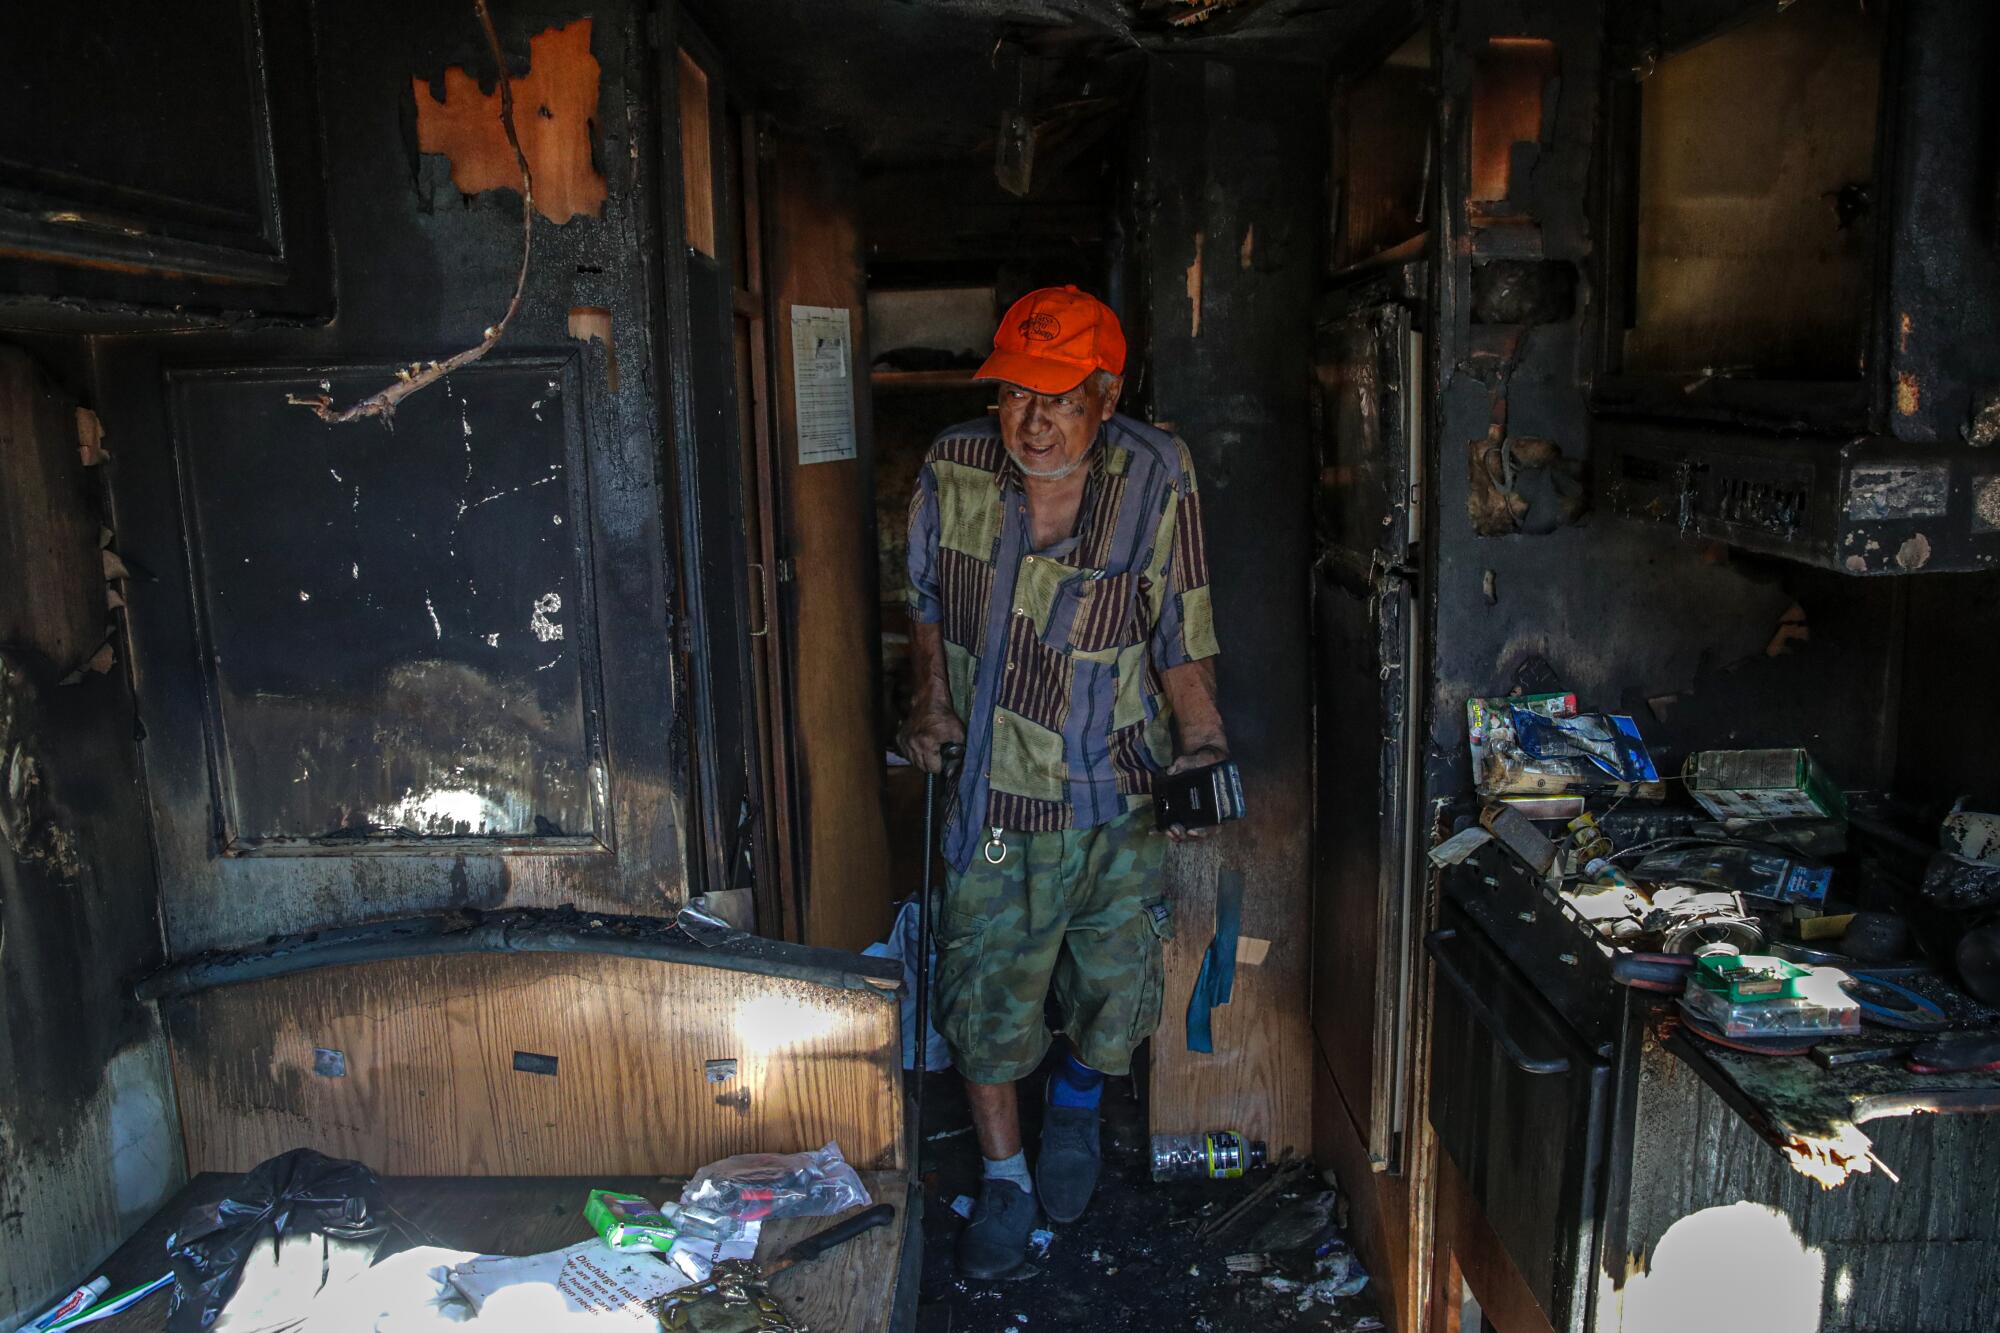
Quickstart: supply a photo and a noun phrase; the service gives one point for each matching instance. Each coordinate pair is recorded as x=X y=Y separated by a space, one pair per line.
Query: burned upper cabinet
x=159 y=165
x=1798 y=272
x=1382 y=158
x=390 y=670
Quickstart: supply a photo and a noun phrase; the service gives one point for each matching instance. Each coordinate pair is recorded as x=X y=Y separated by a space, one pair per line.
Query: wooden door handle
x=763 y=602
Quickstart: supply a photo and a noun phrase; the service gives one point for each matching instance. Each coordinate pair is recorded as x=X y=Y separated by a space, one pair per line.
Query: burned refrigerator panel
x=1366 y=627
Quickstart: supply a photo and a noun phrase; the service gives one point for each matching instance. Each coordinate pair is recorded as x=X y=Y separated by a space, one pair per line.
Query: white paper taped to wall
x=822 y=388
x=1251 y=951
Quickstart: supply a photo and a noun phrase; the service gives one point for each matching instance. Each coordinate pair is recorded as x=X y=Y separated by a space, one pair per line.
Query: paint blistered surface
x=541 y=622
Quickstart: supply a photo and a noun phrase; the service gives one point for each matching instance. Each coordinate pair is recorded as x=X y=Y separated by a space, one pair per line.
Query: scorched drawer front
x=1521 y=1103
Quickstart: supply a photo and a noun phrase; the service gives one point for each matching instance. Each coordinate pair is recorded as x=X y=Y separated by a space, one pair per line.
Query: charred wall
x=88 y=1139
x=1230 y=192
x=1950 y=711
x=1701 y=644
x=348 y=691
x=392 y=666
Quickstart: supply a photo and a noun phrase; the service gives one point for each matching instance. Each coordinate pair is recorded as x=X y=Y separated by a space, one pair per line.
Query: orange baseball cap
x=1052 y=339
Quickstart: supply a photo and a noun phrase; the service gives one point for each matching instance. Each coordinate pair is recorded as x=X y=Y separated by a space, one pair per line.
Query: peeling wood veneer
x=1909 y=394
x=557 y=104
x=90 y=438
x=383 y=403
x=589 y=323
x=1194 y=286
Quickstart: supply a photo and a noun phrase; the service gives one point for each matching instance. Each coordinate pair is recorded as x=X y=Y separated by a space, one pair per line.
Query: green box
x=1763 y=784
x=628 y=1222
x=1749 y=980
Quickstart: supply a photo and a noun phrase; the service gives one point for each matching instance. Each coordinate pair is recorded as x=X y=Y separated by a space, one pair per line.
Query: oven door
x=1521 y=1103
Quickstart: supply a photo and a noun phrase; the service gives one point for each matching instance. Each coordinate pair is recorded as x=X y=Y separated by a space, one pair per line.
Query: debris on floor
x=1298 y=1225
x=1147 y=1255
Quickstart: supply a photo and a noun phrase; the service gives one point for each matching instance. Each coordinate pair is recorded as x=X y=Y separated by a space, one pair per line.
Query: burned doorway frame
x=727 y=528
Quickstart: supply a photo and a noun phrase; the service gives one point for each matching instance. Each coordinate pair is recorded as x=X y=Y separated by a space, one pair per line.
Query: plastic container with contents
x=1757 y=995
x=1220 y=1155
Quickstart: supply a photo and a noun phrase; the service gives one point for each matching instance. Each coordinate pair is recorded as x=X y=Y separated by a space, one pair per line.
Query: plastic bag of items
x=294 y=1230
x=759 y=1186
x=1540 y=745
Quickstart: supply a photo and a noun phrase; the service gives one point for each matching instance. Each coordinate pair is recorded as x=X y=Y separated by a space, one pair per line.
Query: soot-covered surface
x=1132 y=1261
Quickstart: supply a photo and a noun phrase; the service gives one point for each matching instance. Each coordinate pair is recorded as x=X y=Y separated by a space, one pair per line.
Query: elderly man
x=1062 y=633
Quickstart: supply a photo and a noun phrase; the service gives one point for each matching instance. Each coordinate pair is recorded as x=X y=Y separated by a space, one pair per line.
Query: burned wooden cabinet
x=1366 y=629
x=430 y=667
x=159 y=165
x=1625 y=1180
x=379 y=682
x=1521 y=1103
x=1798 y=355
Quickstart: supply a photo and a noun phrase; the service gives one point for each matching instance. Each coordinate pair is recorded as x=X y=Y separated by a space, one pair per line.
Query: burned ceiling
x=916 y=81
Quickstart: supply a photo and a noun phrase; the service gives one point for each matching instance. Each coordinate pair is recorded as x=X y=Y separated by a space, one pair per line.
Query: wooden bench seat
x=853 y=1289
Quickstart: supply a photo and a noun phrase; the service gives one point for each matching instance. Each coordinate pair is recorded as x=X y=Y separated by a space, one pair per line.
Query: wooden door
x=772 y=838
x=831 y=607
x=1365 y=621
x=712 y=285
x=779 y=539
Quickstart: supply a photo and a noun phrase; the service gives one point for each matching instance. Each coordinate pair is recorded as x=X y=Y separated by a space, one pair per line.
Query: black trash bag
x=292 y=1228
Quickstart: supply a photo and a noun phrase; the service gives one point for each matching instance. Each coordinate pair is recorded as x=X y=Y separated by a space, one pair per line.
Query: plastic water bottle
x=1222 y=1154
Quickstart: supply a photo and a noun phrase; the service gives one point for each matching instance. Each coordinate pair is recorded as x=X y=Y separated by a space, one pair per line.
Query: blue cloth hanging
x=902 y=946
x=1218 y=966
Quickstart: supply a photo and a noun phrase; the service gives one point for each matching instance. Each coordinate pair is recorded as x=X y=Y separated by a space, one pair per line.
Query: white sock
x=1013 y=1168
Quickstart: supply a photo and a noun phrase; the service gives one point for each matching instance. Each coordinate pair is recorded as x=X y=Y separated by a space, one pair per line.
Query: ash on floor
x=1134 y=1261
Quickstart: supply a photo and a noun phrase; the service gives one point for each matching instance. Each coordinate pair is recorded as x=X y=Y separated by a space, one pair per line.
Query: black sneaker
x=1066 y=1167
x=995 y=1242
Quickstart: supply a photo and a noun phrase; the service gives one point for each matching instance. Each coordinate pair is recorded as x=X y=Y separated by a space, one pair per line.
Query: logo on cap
x=1042 y=328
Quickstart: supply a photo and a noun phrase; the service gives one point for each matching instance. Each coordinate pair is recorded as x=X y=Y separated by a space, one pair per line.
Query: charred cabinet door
x=159 y=165
x=1365 y=619
x=394 y=671
x=717 y=366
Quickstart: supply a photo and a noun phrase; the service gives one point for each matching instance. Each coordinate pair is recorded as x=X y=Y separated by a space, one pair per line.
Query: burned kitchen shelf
x=922 y=379
x=1866 y=506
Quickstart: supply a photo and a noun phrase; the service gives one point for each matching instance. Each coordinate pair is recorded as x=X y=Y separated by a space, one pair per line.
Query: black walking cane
x=951 y=752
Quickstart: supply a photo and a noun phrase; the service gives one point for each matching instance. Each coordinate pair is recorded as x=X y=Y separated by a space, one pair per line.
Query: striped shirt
x=1053 y=656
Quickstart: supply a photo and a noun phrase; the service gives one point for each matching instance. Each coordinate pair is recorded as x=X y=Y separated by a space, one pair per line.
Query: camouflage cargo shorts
x=1081 y=912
